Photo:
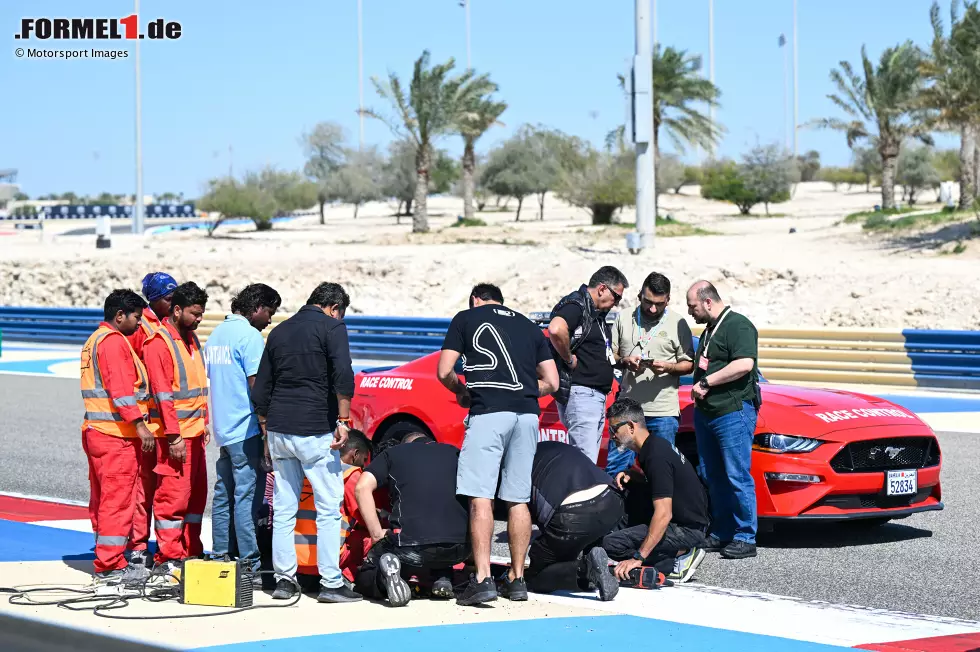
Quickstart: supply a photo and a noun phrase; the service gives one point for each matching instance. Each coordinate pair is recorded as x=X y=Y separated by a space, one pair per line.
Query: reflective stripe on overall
x=304 y=536
x=101 y=411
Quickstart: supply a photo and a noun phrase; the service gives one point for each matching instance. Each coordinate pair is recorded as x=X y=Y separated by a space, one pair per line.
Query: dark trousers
x=427 y=562
x=623 y=544
x=574 y=529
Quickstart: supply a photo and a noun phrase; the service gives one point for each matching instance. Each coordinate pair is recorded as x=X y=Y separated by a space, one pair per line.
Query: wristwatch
x=344 y=422
x=638 y=556
x=704 y=383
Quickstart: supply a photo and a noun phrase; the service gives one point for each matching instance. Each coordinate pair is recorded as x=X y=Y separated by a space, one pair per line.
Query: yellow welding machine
x=215 y=583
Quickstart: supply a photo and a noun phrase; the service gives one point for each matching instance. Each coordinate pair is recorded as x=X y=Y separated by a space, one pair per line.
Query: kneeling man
x=673 y=541
x=428 y=522
x=574 y=505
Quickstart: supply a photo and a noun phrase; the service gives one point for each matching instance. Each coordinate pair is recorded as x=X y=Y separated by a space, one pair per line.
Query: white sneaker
x=685 y=565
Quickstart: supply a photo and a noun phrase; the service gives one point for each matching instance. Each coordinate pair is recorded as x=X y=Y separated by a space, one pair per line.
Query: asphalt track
x=924 y=564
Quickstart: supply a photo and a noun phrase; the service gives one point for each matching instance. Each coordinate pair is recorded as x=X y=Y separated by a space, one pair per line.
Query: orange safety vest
x=304 y=536
x=102 y=411
x=190 y=386
x=150 y=323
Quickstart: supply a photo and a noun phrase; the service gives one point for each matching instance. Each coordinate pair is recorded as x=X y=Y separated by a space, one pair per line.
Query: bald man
x=726 y=403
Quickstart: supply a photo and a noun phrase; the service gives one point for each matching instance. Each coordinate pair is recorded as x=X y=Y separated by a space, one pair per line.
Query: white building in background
x=8 y=189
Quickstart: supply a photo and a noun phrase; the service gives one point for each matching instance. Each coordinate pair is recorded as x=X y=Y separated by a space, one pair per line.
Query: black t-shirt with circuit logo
x=501 y=350
x=594 y=369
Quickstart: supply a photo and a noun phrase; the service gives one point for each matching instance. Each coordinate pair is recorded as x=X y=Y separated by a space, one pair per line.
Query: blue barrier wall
x=941 y=358
x=387 y=338
x=947 y=359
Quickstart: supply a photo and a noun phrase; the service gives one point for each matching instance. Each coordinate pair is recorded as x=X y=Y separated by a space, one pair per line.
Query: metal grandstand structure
x=8 y=187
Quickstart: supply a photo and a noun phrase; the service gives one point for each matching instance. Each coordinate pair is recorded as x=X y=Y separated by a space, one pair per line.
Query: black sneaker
x=396 y=587
x=140 y=558
x=600 y=575
x=714 y=544
x=516 y=590
x=738 y=550
x=478 y=592
x=284 y=590
x=339 y=594
x=442 y=589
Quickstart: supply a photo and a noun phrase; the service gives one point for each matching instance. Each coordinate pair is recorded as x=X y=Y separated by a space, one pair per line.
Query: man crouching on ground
x=428 y=522
x=674 y=539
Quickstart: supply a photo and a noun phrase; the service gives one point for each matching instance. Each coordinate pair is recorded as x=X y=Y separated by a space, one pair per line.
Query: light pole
x=654 y=10
x=642 y=89
x=782 y=46
x=138 y=204
x=711 y=67
x=360 y=75
x=796 y=87
x=466 y=4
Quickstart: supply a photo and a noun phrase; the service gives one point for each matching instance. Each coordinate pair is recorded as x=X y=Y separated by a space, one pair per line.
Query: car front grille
x=885 y=454
x=874 y=501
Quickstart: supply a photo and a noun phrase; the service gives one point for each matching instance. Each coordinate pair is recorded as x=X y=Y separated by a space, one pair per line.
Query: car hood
x=810 y=412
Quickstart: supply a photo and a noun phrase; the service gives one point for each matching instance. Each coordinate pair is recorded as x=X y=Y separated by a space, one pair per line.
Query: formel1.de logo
x=96 y=29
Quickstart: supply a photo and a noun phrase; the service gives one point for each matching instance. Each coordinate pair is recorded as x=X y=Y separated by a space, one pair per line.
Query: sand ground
x=803 y=267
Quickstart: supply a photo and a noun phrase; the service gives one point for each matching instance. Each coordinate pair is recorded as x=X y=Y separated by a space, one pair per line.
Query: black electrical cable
x=112 y=602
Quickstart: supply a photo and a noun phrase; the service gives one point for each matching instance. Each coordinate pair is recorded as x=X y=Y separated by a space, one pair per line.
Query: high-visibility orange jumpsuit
x=178 y=379
x=115 y=392
x=147 y=484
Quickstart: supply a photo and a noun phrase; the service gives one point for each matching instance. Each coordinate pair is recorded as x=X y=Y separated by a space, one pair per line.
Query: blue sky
x=256 y=75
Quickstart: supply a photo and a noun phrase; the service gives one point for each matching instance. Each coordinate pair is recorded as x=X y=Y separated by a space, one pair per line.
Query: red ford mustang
x=818 y=454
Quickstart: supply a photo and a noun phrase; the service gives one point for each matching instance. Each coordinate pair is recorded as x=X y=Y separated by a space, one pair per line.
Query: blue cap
x=157 y=285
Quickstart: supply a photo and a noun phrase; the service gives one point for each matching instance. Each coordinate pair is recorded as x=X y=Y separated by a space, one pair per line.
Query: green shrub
x=841 y=176
x=723 y=182
x=469 y=222
x=876 y=221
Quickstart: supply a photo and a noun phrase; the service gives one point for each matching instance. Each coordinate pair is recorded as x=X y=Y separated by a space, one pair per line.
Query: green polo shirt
x=732 y=337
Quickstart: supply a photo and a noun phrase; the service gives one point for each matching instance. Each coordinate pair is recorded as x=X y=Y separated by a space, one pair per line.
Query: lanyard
x=707 y=340
x=641 y=337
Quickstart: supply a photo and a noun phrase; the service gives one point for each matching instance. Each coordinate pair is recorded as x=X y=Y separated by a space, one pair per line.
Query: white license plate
x=901 y=483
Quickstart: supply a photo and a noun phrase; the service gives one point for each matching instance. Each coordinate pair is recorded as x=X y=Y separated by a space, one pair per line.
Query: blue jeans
x=293 y=457
x=585 y=418
x=665 y=427
x=725 y=451
x=236 y=502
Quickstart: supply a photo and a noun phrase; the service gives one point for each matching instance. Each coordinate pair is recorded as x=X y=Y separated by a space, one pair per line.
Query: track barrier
x=910 y=358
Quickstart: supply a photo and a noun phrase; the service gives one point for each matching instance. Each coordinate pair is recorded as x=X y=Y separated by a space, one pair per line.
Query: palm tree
x=882 y=107
x=954 y=89
x=430 y=110
x=680 y=94
x=473 y=121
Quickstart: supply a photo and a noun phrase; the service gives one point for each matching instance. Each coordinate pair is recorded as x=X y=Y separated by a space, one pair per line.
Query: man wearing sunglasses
x=583 y=352
x=671 y=536
x=654 y=348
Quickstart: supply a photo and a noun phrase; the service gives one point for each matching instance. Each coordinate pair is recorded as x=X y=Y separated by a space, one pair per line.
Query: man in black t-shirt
x=674 y=539
x=508 y=367
x=428 y=522
x=582 y=349
x=574 y=505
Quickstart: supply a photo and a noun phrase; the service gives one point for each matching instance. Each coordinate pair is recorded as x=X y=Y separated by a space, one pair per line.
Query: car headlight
x=784 y=443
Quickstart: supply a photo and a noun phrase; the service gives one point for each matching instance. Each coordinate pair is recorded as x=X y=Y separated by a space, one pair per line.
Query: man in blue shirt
x=232 y=355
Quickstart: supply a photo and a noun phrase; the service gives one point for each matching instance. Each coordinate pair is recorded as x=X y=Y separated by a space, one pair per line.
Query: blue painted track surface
x=27 y=542
x=925 y=404
x=566 y=634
